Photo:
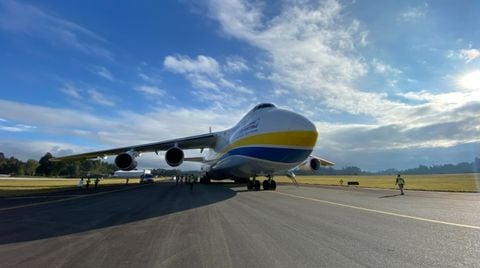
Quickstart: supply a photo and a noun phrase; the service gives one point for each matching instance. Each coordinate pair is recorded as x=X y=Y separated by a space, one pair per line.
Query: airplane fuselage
x=266 y=141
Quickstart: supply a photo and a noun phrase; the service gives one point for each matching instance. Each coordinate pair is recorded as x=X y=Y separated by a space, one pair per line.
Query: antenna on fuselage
x=210 y=130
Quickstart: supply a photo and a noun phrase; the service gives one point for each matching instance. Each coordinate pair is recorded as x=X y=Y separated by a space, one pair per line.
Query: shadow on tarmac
x=388 y=196
x=107 y=210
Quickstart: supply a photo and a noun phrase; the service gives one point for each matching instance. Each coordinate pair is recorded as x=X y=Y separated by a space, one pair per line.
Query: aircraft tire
x=266 y=185
x=273 y=185
x=249 y=185
x=256 y=186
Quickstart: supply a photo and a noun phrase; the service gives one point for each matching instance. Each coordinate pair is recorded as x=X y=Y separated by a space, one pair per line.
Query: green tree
x=30 y=167
x=45 y=167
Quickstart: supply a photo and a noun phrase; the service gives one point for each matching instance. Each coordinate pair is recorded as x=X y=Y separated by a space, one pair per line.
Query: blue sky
x=389 y=84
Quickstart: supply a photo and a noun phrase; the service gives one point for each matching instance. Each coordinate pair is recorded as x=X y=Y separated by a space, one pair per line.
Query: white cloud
x=71 y=91
x=236 y=65
x=469 y=54
x=91 y=94
x=99 y=98
x=150 y=90
x=17 y=128
x=29 y=20
x=25 y=150
x=383 y=68
x=414 y=13
x=5 y=125
x=311 y=51
x=205 y=74
x=151 y=79
x=186 y=65
x=103 y=72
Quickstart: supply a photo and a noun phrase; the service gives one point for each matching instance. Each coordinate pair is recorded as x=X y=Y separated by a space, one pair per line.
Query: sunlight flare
x=470 y=80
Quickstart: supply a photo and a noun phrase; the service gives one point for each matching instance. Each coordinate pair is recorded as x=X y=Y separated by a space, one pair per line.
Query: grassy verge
x=439 y=182
x=16 y=187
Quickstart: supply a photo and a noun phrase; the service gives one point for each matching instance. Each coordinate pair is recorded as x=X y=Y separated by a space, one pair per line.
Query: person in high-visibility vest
x=400 y=181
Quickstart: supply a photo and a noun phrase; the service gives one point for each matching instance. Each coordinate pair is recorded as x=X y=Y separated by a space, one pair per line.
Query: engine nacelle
x=311 y=164
x=174 y=156
x=126 y=161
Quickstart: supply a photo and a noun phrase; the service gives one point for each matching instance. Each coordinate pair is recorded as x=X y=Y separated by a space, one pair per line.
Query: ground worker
x=126 y=182
x=80 y=184
x=97 y=180
x=400 y=181
x=88 y=183
x=192 y=181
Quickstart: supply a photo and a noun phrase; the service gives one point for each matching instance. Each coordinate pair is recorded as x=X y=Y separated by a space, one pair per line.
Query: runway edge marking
x=379 y=211
x=67 y=199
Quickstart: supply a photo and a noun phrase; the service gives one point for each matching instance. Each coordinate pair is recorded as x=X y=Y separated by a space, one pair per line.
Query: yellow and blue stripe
x=283 y=147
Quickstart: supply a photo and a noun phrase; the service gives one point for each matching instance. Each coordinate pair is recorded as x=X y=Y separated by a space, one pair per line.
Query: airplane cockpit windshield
x=262 y=106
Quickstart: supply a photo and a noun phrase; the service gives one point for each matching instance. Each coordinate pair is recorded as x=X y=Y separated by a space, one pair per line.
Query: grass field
x=439 y=182
x=17 y=187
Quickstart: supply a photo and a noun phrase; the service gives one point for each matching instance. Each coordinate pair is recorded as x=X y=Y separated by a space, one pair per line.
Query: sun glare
x=470 y=80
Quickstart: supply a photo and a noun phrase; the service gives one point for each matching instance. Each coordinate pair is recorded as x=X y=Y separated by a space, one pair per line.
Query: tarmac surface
x=224 y=225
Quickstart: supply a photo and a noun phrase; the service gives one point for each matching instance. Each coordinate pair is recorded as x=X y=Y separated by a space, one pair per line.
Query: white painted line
x=379 y=211
x=71 y=198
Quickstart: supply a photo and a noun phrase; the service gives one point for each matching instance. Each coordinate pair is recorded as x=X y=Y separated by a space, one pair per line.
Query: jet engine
x=126 y=161
x=174 y=156
x=310 y=164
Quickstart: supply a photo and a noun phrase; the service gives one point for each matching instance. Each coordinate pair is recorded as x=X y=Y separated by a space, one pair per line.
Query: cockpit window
x=263 y=105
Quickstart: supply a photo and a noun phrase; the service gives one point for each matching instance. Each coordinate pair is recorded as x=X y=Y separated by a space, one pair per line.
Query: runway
x=223 y=225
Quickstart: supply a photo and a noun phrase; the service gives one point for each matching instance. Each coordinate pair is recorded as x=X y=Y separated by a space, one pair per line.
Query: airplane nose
x=297 y=130
x=293 y=121
x=303 y=123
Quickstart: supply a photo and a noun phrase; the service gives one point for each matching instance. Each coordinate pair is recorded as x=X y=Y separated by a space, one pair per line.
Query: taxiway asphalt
x=223 y=225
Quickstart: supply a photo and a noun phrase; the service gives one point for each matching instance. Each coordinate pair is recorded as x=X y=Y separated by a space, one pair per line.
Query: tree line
x=44 y=167
x=463 y=167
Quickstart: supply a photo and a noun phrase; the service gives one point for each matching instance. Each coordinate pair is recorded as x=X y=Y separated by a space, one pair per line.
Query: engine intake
x=311 y=164
x=125 y=161
x=174 y=156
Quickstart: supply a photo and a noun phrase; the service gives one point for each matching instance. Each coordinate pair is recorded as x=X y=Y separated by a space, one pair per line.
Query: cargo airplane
x=267 y=141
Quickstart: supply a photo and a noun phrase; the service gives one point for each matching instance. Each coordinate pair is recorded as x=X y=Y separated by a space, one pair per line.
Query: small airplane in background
x=267 y=141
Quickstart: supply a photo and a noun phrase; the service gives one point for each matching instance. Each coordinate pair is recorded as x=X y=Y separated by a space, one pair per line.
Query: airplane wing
x=323 y=162
x=312 y=163
x=192 y=142
x=194 y=159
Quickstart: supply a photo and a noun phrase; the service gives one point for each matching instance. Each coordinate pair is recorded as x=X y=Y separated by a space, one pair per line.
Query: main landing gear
x=253 y=184
x=269 y=184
